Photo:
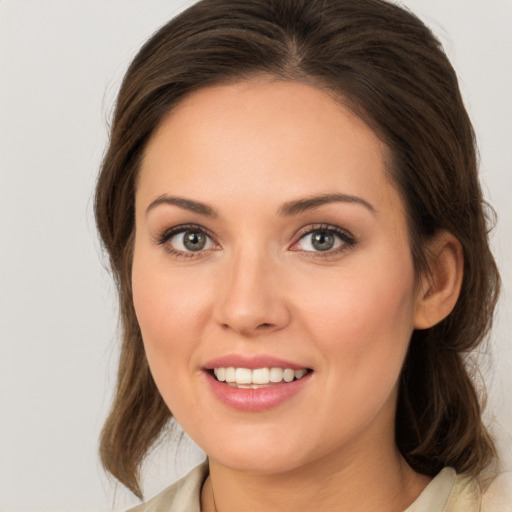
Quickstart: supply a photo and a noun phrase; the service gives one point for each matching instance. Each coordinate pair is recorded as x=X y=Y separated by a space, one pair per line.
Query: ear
x=440 y=289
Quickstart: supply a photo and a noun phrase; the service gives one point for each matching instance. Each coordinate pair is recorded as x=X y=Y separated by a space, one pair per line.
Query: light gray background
x=60 y=66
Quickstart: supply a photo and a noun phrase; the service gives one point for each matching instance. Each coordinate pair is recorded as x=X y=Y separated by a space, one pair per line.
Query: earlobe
x=441 y=288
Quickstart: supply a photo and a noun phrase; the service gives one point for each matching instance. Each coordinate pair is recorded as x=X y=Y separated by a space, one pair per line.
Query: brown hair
x=389 y=68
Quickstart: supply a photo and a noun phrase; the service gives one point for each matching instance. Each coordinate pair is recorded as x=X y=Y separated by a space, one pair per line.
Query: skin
x=260 y=287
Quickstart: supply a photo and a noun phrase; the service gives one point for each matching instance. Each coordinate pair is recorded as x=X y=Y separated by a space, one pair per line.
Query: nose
x=251 y=299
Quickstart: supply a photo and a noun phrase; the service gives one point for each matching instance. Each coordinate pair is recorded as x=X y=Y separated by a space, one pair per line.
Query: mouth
x=257 y=378
x=256 y=383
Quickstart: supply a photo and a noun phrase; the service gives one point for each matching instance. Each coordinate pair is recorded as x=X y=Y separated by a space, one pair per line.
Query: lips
x=255 y=383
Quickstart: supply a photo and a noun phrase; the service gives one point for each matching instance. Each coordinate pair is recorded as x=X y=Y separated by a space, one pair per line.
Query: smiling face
x=270 y=238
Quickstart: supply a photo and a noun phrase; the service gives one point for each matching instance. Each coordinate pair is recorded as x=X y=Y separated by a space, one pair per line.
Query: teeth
x=299 y=374
x=261 y=376
x=247 y=378
x=243 y=376
x=288 y=375
x=276 y=375
x=230 y=375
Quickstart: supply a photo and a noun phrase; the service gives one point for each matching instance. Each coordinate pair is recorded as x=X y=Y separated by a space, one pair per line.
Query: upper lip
x=252 y=362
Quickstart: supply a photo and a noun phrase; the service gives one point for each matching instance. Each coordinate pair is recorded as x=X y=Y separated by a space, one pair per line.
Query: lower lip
x=255 y=400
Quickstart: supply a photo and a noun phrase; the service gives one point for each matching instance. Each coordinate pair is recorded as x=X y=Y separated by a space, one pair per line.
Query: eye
x=190 y=240
x=186 y=240
x=324 y=239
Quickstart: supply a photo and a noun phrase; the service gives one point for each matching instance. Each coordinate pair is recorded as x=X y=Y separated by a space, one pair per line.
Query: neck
x=382 y=482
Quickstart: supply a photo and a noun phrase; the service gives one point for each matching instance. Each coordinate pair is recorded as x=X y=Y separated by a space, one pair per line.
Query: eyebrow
x=287 y=209
x=310 y=203
x=186 y=204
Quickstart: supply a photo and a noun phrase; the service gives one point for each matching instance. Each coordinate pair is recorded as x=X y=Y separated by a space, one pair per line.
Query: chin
x=256 y=463
x=259 y=454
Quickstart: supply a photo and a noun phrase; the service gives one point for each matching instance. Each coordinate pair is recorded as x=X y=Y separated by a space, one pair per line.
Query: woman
x=291 y=207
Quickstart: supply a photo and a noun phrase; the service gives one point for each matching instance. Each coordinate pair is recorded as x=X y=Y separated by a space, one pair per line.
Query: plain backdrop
x=61 y=63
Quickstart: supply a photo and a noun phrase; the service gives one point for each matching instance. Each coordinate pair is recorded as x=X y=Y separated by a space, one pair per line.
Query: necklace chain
x=214 y=504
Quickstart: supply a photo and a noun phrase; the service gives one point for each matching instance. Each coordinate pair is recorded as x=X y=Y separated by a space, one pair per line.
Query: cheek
x=168 y=326
x=363 y=325
x=362 y=329
x=166 y=301
x=167 y=312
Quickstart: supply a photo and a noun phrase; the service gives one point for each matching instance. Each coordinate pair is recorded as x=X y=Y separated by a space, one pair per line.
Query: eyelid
x=347 y=239
x=169 y=233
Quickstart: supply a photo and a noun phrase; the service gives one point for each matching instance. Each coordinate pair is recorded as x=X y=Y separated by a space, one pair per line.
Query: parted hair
x=383 y=63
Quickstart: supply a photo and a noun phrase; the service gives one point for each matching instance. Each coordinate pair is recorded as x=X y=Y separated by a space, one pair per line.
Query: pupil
x=323 y=241
x=194 y=240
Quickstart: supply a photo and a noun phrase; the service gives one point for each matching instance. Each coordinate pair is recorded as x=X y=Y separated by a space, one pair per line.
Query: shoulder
x=182 y=495
x=450 y=492
x=470 y=495
x=497 y=497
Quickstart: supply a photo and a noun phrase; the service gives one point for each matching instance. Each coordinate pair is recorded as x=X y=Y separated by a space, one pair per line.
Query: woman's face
x=269 y=238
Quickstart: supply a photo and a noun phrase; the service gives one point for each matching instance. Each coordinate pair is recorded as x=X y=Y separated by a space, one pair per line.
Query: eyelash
x=347 y=240
x=169 y=233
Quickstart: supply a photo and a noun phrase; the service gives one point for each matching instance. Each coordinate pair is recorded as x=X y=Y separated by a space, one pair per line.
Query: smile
x=257 y=378
x=256 y=388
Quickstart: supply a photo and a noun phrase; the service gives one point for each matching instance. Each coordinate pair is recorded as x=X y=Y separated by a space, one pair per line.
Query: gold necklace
x=213 y=497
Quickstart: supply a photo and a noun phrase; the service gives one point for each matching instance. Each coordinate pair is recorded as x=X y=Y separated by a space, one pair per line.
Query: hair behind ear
x=438 y=419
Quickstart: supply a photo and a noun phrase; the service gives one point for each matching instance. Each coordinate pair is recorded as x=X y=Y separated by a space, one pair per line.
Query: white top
x=447 y=492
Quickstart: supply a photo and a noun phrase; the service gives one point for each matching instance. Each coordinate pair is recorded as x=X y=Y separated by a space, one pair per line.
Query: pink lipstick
x=255 y=383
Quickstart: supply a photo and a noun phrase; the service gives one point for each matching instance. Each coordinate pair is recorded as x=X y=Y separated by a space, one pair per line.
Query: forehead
x=268 y=137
